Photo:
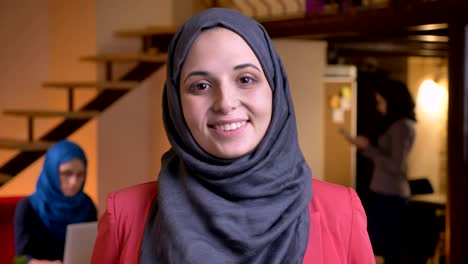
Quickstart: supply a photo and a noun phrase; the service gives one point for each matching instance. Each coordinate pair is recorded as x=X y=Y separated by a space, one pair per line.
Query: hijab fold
x=56 y=210
x=252 y=209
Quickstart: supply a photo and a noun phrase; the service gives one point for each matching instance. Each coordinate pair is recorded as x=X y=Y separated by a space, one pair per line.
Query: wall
x=339 y=155
x=72 y=34
x=129 y=133
x=305 y=63
x=429 y=155
x=267 y=8
x=112 y=15
x=60 y=33
x=183 y=10
x=23 y=66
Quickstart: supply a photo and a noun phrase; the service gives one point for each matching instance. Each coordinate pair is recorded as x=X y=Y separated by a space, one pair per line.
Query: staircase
x=155 y=41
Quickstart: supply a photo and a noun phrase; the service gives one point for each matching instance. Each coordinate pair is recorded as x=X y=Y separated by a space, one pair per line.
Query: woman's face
x=381 y=104
x=72 y=175
x=226 y=99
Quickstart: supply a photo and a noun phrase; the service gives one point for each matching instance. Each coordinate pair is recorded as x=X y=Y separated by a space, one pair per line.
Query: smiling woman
x=234 y=187
x=226 y=98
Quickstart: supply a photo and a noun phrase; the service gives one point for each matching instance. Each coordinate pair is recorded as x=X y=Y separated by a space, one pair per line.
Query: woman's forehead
x=222 y=35
x=220 y=44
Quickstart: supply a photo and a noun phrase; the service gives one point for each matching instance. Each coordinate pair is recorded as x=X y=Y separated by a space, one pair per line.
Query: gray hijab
x=253 y=209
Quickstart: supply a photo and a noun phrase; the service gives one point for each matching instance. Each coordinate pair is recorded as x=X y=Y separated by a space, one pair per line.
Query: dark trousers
x=385 y=216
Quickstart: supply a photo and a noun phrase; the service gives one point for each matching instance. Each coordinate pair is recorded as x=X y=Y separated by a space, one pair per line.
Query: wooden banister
x=156 y=58
x=52 y=113
x=23 y=145
x=148 y=31
x=115 y=85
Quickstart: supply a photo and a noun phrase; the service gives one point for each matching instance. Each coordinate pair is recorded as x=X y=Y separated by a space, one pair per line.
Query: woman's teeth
x=229 y=127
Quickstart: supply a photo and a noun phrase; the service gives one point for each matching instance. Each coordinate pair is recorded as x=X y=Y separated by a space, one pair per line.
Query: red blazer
x=338 y=226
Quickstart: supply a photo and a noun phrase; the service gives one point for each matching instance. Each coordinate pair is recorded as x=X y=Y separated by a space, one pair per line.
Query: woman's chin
x=69 y=193
x=230 y=152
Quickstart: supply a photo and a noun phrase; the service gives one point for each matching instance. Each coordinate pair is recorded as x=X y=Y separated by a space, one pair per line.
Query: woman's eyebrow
x=246 y=65
x=195 y=73
x=238 y=67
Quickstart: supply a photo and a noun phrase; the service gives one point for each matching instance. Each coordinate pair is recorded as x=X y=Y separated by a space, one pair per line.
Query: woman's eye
x=66 y=173
x=246 y=79
x=199 y=87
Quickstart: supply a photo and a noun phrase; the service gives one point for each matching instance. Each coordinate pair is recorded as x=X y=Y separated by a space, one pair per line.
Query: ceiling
x=410 y=30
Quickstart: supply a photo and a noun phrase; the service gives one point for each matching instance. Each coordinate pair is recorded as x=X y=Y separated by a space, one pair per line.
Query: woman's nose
x=226 y=99
x=73 y=180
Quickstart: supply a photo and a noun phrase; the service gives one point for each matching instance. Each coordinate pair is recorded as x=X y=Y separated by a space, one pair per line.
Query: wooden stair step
x=114 y=85
x=24 y=145
x=148 y=31
x=154 y=58
x=4 y=178
x=52 y=113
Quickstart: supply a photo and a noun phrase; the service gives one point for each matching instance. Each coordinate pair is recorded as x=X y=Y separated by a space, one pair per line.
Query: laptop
x=79 y=243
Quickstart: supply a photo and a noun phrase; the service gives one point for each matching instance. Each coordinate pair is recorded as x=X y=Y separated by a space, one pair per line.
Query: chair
x=422 y=224
x=7 y=212
x=420 y=186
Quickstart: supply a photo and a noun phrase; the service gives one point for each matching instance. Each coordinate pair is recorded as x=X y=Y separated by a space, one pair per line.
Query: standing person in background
x=234 y=187
x=389 y=184
x=41 y=219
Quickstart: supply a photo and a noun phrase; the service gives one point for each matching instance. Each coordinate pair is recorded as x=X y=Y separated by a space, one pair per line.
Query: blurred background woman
x=41 y=219
x=389 y=186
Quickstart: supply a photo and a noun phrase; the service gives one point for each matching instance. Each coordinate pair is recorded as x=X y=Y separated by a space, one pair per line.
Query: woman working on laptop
x=42 y=218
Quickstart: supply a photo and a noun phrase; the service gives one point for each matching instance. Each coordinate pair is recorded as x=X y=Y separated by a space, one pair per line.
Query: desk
x=436 y=199
x=424 y=226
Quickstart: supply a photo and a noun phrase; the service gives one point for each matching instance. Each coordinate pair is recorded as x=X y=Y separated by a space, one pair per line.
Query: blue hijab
x=252 y=209
x=55 y=209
